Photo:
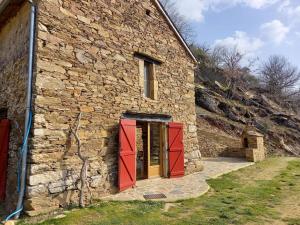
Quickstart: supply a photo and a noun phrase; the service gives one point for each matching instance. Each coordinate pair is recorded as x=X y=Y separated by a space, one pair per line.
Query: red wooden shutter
x=4 y=142
x=127 y=154
x=176 y=150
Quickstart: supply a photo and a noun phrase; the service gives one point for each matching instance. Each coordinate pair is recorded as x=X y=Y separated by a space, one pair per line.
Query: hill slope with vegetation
x=233 y=90
x=229 y=97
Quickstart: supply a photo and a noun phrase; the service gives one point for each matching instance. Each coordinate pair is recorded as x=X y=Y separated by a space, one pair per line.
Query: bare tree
x=179 y=20
x=215 y=56
x=294 y=101
x=297 y=102
x=201 y=52
x=230 y=60
x=279 y=77
x=205 y=47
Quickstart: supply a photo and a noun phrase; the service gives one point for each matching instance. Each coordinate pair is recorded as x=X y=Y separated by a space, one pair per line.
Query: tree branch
x=85 y=164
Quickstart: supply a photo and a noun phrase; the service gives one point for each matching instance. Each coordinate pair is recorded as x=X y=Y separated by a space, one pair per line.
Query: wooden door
x=127 y=154
x=176 y=150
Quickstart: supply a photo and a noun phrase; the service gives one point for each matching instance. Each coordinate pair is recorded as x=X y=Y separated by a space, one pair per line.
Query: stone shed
x=253 y=145
x=120 y=72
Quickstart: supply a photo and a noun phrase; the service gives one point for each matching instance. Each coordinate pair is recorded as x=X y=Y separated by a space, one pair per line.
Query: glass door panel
x=154 y=131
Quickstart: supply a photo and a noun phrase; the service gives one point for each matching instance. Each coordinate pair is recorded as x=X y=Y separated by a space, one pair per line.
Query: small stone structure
x=253 y=144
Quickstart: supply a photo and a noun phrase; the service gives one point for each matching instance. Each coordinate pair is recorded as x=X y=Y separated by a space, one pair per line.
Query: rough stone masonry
x=85 y=62
x=13 y=79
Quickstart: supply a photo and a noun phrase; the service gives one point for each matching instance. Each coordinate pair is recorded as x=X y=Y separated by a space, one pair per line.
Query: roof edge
x=179 y=36
x=3 y=5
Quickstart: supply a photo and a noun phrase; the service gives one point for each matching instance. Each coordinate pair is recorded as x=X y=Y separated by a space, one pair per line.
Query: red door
x=176 y=150
x=4 y=142
x=127 y=154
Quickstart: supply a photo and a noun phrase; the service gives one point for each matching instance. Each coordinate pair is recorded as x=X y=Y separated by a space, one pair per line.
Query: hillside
x=221 y=120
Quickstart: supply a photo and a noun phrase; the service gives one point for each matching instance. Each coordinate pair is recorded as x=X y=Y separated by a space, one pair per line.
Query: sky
x=258 y=28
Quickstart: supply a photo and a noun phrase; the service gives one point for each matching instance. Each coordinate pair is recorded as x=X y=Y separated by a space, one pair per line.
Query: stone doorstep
x=190 y=186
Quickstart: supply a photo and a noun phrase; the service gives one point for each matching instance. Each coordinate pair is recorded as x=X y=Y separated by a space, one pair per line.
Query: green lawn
x=265 y=193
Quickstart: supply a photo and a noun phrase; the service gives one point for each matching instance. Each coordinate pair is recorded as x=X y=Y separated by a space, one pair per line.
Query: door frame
x=165 y=149
x=160 y=170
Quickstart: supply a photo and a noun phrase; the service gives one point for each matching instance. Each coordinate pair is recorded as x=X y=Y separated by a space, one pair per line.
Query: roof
x=172 y=25
x=254 y=133
x=3 y=5
x=9 y=6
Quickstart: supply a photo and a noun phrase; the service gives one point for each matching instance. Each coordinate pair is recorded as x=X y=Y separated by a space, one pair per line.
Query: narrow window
x=147 y=79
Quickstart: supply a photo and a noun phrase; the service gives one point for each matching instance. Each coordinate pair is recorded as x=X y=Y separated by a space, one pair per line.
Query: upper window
x=147 y=79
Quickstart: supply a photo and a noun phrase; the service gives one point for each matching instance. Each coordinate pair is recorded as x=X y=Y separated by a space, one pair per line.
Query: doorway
x=149 y=145
x=150 y=148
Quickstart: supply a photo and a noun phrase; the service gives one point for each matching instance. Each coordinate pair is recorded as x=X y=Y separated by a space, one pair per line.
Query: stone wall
x=234 y=152
x=86 y=63
x=256 y=149
x=13 y=79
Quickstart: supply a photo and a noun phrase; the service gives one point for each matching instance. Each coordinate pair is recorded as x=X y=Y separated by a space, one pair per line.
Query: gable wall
x=85 y=64
x=13 y=79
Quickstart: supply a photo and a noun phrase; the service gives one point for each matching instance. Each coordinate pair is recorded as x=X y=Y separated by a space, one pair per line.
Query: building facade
x=116 y=70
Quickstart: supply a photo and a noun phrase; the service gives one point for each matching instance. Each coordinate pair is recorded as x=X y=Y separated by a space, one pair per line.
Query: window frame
x=152 y=63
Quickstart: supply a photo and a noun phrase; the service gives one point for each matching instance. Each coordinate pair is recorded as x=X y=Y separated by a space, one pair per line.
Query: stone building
x=124 y=68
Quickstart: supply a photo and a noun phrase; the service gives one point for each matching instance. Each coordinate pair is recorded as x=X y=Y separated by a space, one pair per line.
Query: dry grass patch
x=266 y=170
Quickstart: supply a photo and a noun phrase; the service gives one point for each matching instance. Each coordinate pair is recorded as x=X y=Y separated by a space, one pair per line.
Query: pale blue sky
x=258 y=27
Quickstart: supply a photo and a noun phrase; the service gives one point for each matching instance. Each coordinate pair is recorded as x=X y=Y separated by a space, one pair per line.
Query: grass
x=265 y=193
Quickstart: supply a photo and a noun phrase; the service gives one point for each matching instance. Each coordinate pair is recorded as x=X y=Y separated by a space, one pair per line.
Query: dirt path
x=190 y=186
x=265 y=171
x=289 y=207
